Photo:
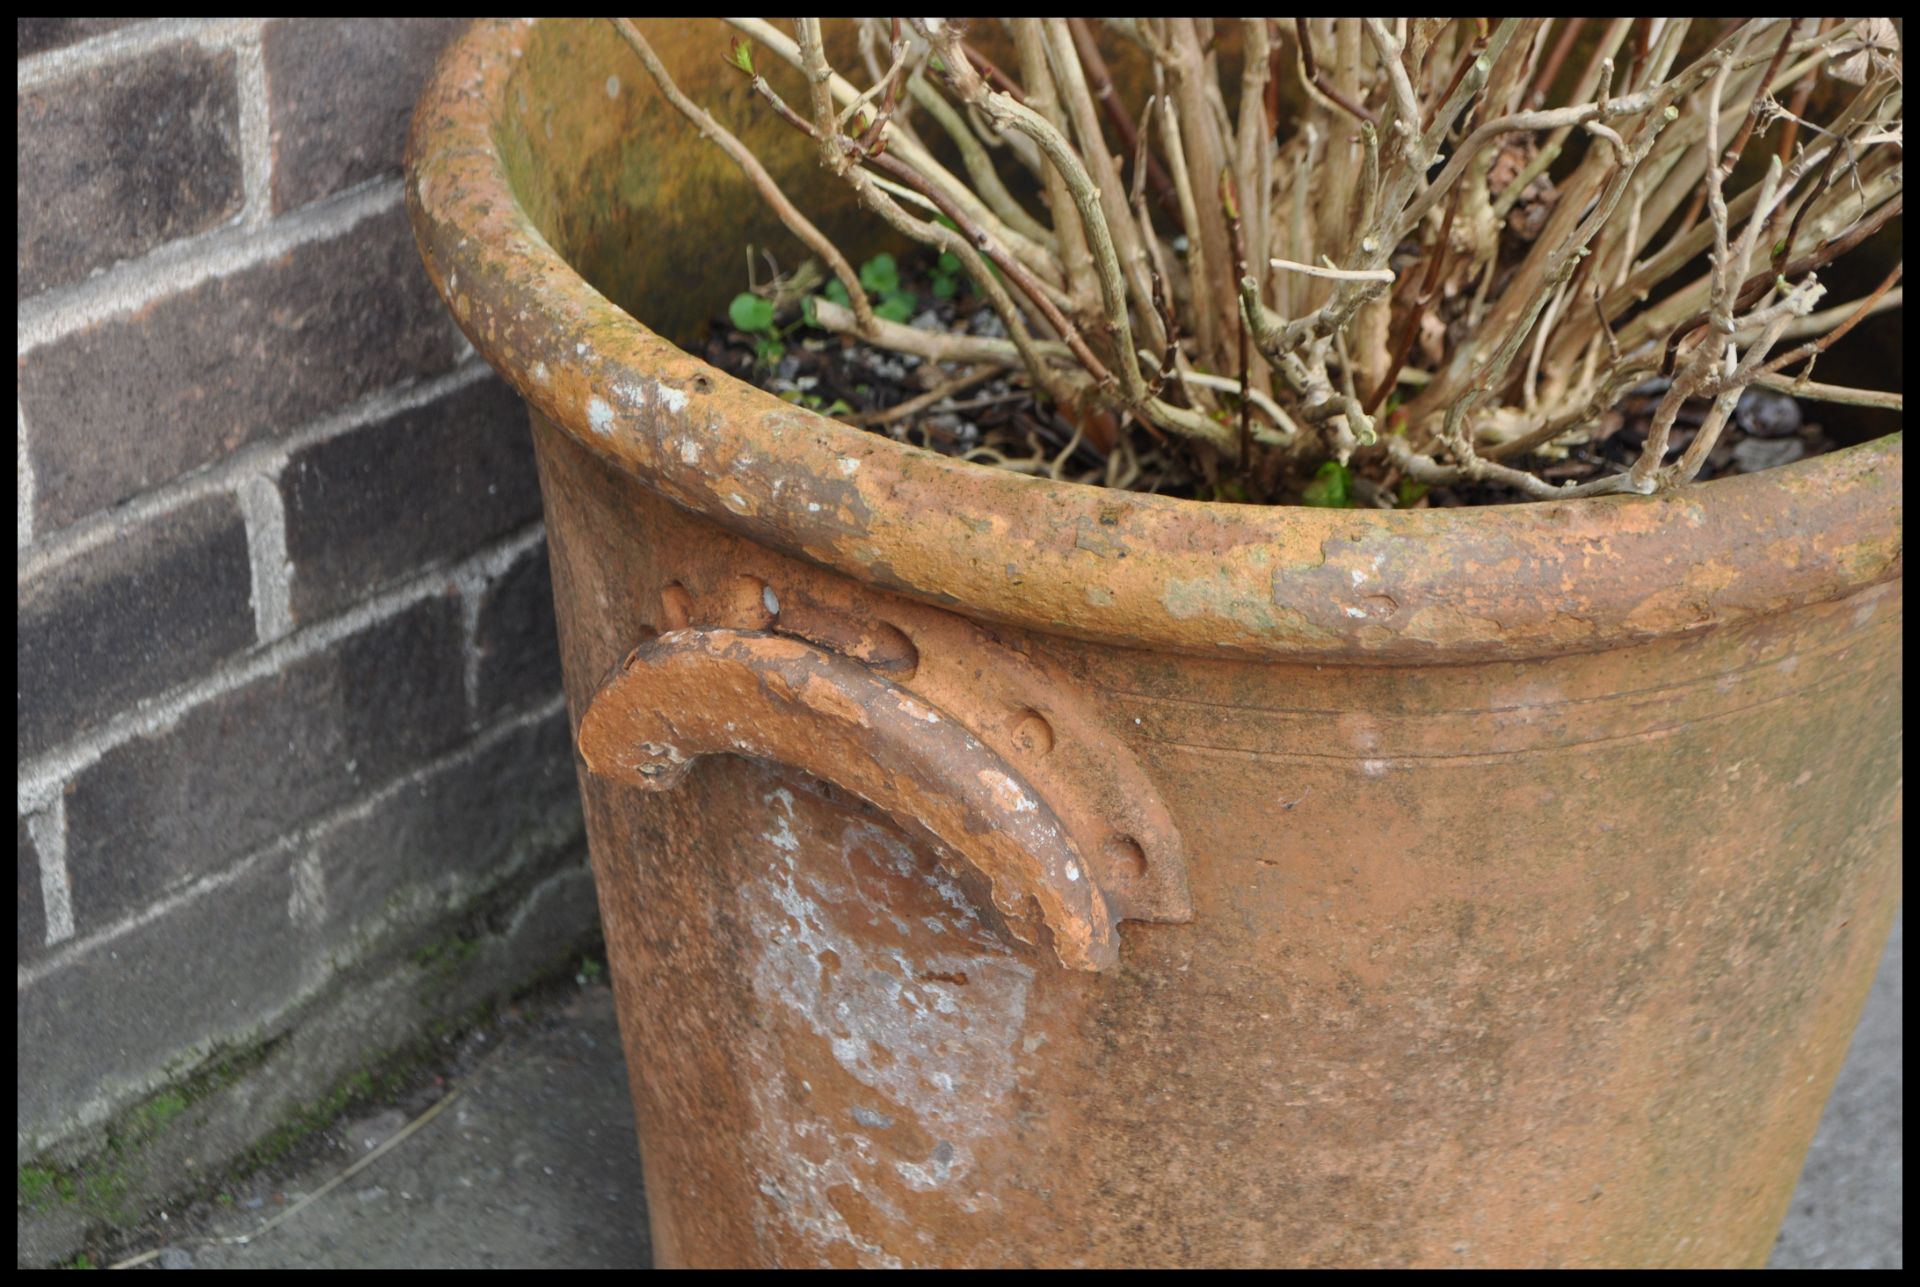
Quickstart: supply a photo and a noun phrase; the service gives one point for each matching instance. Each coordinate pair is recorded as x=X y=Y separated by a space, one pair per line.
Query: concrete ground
x=1847 y=1212
x=529 y=1162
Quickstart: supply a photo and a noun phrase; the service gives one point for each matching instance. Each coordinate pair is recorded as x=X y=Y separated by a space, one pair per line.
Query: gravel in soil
x=991 y=416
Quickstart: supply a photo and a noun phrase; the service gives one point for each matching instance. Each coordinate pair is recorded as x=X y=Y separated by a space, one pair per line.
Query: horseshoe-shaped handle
x=695 y=692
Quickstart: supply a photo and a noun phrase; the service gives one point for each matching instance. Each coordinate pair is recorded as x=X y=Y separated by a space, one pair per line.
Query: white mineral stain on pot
x=613 y=87
x=1007 y=793
x=782 y=837
x=654 y=758
x=599 y=416
x=689 y=451
x=893 y=1012
x=672 y=399
x=541 y=374
x=770 y=599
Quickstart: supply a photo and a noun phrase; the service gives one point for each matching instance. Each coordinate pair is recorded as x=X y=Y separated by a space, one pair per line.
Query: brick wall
x=289 y=714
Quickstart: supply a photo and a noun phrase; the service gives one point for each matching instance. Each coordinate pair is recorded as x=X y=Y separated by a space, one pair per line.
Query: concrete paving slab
x=1848 y=1211
x=530 y=1164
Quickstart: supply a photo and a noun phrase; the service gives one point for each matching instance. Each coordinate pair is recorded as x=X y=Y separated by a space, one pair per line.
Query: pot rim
x=1125 y=568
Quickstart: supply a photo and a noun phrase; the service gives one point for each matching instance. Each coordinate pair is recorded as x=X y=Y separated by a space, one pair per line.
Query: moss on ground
x=446 y=953
x=104 y=1185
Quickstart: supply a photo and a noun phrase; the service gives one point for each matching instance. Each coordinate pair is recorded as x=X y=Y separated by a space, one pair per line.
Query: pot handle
x=694 y=692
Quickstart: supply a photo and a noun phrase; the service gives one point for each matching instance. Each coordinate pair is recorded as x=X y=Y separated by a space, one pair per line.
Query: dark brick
x=370 y=506
x=142 y=398
x=33 y=915
x=211 y=969
x=519 y=649
x=340 y=92
x=515 y=802
x=150 y=608
x=36 y=35
x=251 y=764
x=118 y=160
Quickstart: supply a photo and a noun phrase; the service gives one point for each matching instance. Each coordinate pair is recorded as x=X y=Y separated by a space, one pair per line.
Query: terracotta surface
x=1492 y=887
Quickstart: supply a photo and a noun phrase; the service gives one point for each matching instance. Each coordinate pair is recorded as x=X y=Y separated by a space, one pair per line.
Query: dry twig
x=1429 y=188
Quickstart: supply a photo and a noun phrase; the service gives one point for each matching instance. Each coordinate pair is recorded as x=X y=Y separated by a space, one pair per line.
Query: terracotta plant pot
x=1001 y=872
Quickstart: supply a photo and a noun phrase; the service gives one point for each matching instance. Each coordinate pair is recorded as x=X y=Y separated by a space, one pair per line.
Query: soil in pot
x=993 y=416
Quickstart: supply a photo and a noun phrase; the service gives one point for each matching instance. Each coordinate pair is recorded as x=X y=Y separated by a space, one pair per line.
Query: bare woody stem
x=763 y=183
x=1489 y=215
x=1004 y=112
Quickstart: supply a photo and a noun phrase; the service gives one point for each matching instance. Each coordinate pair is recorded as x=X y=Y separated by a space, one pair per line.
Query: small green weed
x=1331 y=488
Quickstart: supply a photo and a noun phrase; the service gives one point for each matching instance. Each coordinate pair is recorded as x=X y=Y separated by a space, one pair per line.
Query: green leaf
x=837 y=292
x=945 y=286
x=1331 y=488
x=896 y=307
x=808 y=313
x=750 y=313
x=838 y=407
x=948 y=263
x=769 y=351
x=880 y=275
x=741 y=54
x=1410 y=493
